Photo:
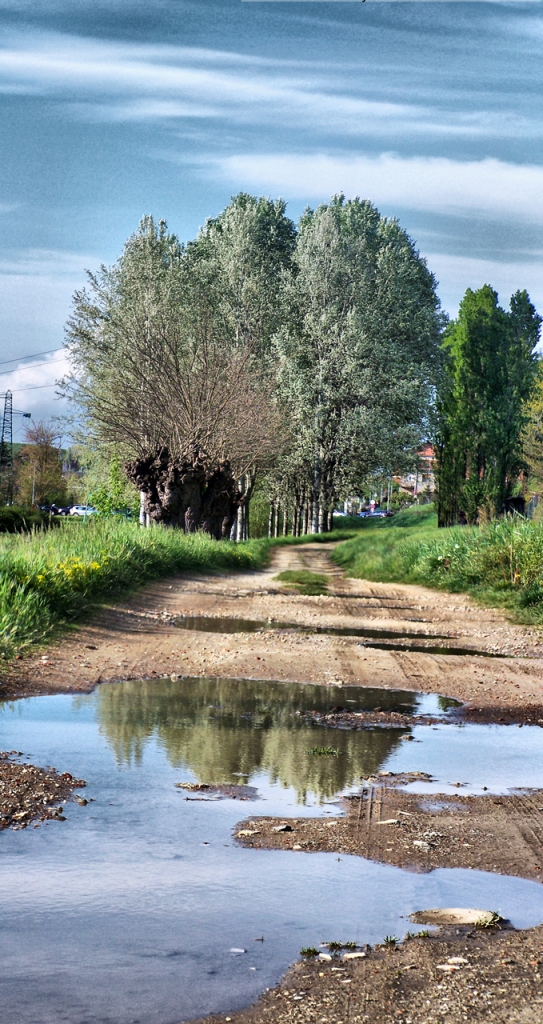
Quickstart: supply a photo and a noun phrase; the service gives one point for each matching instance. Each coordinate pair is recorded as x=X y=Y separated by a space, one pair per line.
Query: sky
x=111 y=109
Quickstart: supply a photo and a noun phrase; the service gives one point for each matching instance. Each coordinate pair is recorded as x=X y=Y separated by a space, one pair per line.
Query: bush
x=17 y=519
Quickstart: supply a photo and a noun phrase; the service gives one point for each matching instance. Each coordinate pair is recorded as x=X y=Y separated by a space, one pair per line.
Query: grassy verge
x=49 y=580
x=304 y=581
x=500 y=564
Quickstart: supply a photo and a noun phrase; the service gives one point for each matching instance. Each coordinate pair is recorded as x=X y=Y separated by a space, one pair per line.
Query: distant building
x=421 y=480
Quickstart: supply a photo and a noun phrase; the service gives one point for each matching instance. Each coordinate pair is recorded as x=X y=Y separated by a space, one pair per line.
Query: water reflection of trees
x=217 y=727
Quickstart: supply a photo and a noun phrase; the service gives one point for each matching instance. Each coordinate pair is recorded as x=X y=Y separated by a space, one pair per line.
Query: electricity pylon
x=6 y=449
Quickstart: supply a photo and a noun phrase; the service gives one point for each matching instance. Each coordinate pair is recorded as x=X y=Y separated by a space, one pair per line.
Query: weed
x=390 y=940
x=489 y=922
x=349 y=945
x=324 y=751
x=335 y=947
x=309 y=951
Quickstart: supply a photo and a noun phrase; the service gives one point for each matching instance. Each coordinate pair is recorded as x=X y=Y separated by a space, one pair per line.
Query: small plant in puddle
x=390 y=941
x=335 y=947
x=489 y=922
x=324 y=751
x=424 y=934
x=312 y=584
x=349 y=945
x=309 y=951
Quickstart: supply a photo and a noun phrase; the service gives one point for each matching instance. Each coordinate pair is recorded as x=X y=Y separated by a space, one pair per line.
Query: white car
x=83 y=510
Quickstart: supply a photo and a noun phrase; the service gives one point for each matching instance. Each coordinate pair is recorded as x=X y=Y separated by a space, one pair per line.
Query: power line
x=34 y=366
x=33 y=356
x=37 y=387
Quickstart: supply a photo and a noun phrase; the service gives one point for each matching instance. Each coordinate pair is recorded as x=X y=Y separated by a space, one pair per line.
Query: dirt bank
x=137 y=638
x=498 y=979
x=502 y=834
x=29 y=795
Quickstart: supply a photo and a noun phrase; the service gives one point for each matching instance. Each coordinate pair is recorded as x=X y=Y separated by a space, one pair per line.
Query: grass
x=48 y=580
x=500 y=564
x=304 y=581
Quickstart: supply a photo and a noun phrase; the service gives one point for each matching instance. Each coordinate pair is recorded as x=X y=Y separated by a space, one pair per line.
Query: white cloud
x=34 y=387
x=128 y=81
x=436 y=184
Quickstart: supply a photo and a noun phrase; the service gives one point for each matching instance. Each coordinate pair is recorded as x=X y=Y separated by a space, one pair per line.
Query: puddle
x=209 y=624
x=418 y=648
x=126 y=912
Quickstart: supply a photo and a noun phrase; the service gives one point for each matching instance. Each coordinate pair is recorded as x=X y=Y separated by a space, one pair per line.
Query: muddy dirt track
x=138 y=638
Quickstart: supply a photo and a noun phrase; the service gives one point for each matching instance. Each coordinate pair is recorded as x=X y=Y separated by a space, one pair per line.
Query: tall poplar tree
x=359 y=351
x=489 y=373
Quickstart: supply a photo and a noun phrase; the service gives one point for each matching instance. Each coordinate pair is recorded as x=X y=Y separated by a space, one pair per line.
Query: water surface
x=127 y=911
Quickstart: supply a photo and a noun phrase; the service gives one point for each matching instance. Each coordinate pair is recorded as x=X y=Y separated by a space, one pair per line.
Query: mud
x=502 y=834
x=499 y=979
x=137 y=638
x=29 y=795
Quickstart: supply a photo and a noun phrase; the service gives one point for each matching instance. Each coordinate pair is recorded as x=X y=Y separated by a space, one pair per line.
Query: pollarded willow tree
x=490 y=372
x=167 y=352
x=358 y=356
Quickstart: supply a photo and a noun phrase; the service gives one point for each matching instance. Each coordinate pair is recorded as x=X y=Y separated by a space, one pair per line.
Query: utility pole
x=6 y=448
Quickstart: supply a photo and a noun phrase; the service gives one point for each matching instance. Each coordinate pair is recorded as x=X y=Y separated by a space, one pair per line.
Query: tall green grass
x=50 y=579
x=501 y=563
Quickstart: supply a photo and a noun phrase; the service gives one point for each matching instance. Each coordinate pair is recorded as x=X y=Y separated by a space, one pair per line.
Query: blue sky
x=109 y=110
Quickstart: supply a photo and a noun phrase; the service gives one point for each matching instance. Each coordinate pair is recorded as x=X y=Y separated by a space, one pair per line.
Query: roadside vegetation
x=500 y=563
x=48 y=580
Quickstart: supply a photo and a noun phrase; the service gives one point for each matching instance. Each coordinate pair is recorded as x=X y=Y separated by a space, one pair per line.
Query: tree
x=39 y=479
x=489 y=375
x=358 y=355
x=165 y=381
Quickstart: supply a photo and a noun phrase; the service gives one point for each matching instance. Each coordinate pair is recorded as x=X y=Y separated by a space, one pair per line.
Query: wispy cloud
x=435 y=184
x=130 y=81
x=45 y=263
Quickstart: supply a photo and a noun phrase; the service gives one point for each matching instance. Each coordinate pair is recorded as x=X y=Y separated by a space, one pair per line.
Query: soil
x=502 y=834
x=138 y=638
x=29 y=795
x=501 y=981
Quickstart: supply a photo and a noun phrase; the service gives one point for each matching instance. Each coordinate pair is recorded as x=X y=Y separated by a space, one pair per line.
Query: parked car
x=83 y=510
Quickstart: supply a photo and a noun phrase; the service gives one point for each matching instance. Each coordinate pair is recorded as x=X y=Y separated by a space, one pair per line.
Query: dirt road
x=137 y=638
x=499 y=978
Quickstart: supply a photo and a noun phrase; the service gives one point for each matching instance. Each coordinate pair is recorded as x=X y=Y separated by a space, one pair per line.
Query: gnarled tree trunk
x=190 y=495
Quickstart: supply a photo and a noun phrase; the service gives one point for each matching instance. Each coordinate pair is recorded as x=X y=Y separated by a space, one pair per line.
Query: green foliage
x=489 y=376
x=259 y=512
x=113 y=493
x=358 y=352
x=500 y=563
x=309 y=951
x=305 y=582
x=18 y=519
x=53 y=578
